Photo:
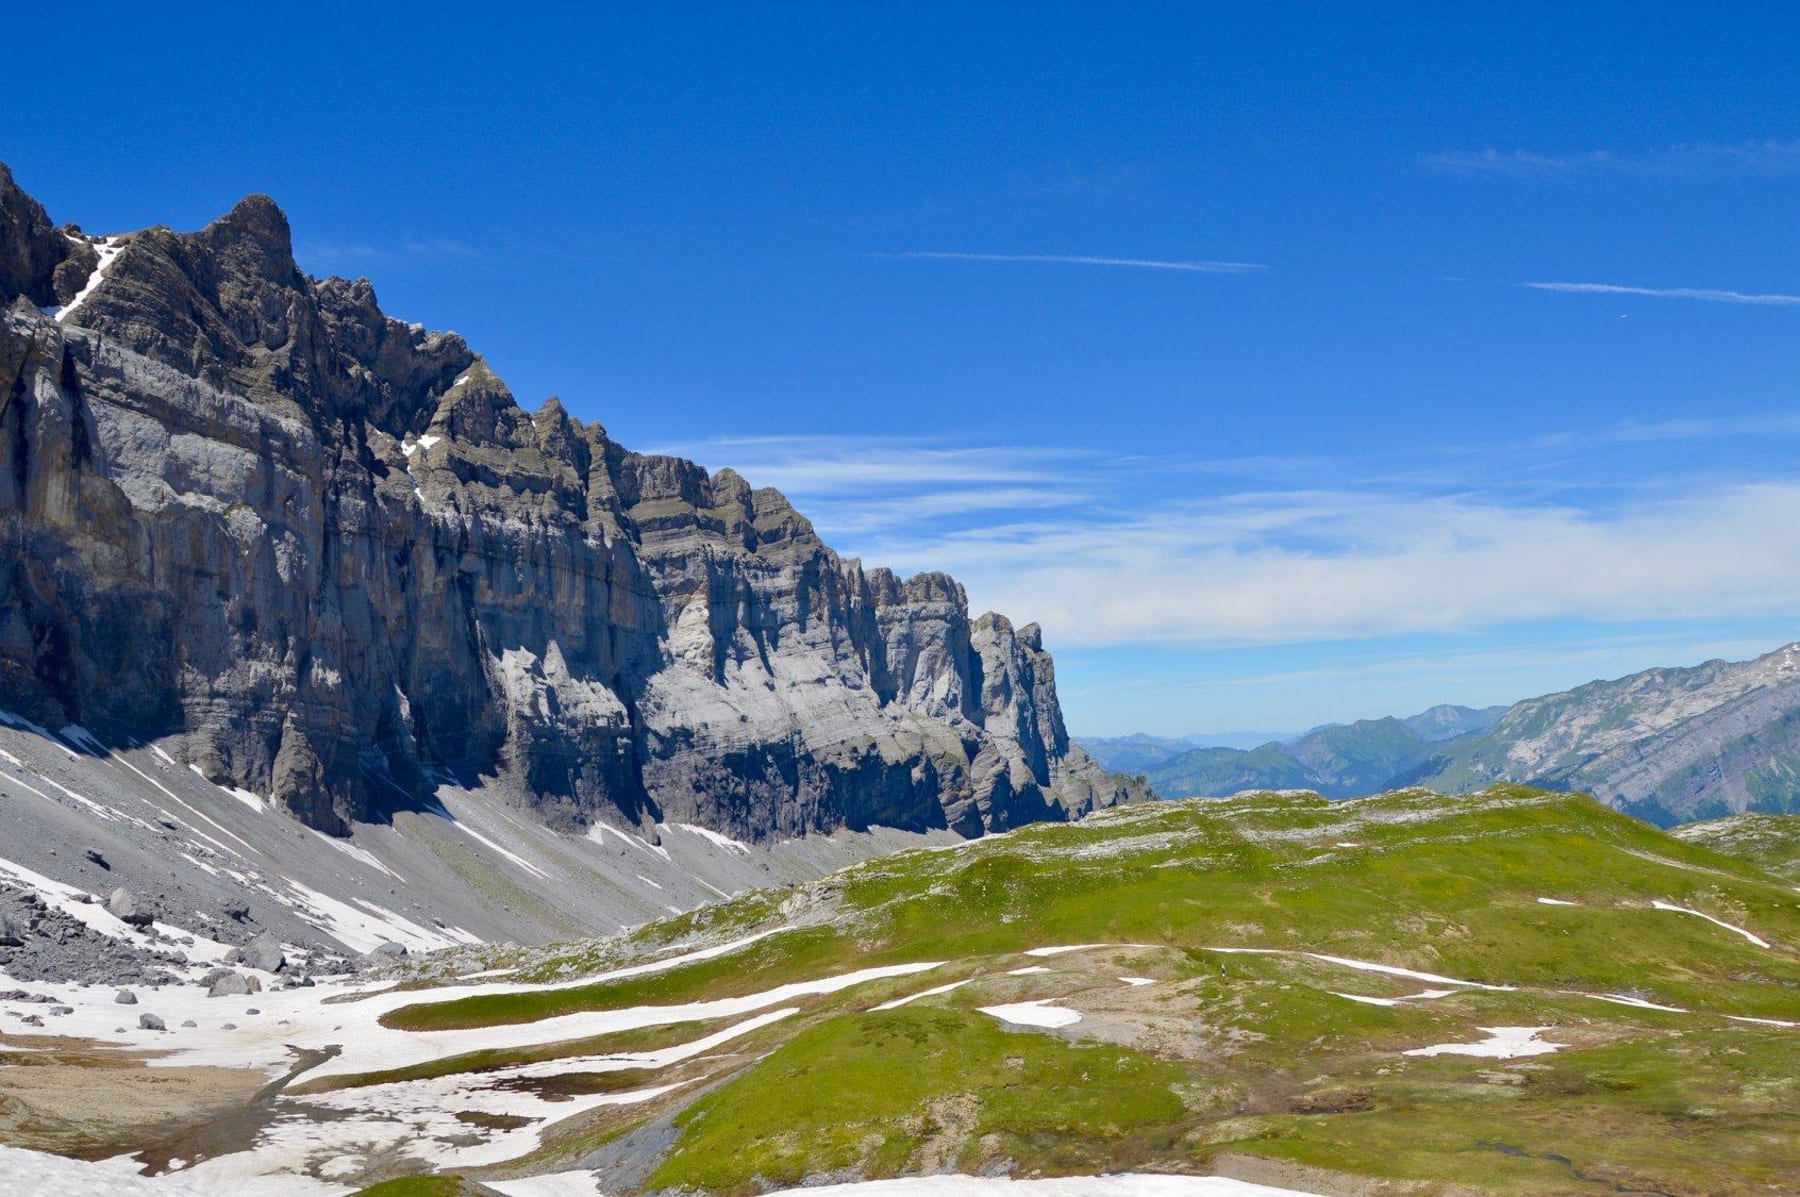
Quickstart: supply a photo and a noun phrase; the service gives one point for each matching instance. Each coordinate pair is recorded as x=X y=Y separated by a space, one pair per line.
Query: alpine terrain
x=308 y=627
x=1667 y=745
x=1511 y=992
x=403 y=793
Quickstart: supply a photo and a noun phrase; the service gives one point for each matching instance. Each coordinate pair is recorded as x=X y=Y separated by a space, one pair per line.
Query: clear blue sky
x=1366 y=469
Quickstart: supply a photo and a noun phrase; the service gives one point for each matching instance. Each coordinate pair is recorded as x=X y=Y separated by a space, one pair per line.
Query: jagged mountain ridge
x=1668 y=745
x=1266 y=759
x=323 y=555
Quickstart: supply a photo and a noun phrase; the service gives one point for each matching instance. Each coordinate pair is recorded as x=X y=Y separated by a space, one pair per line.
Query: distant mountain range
x=1141 y=752
x=1667 y=745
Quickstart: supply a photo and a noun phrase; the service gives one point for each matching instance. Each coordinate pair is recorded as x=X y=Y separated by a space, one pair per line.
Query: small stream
x=238 y=1129
x=1566 y=1162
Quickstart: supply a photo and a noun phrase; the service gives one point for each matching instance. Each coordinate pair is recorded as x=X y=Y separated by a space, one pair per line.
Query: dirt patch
x=947 y=1125
x=91 y=1112
x=1332 y=1101
x=488 y=1121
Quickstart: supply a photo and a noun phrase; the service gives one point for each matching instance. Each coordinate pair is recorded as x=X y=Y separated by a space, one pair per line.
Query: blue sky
x=1452 y=356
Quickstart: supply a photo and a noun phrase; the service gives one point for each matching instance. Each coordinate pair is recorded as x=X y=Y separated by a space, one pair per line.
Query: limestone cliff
x=324 y=555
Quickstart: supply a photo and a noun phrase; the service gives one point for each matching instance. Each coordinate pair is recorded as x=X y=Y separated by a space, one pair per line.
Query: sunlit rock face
x=324 y=555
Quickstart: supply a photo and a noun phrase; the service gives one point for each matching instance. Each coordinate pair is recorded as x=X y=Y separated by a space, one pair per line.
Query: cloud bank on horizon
x=1146 y=550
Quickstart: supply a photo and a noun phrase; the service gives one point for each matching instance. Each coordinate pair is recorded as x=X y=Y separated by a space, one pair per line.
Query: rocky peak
x=325 y=556
x=253 y=241
x=31 y=248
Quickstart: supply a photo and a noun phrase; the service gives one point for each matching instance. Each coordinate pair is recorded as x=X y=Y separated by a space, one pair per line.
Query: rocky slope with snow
x=1667 y=745
x=324 y=557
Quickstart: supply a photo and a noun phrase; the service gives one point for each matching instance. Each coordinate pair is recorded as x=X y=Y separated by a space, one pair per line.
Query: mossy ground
x=1233 y=1054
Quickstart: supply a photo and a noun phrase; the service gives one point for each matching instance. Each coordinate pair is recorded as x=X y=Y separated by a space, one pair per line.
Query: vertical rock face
x=323 y=554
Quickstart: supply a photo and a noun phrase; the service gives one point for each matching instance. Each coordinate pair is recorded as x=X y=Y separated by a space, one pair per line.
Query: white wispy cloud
x=1335 y=566
x=1105 y=550
x=1761 y=299
x=1195 y=267
x=1683 y=160
x=334 y=256
x=813 y=466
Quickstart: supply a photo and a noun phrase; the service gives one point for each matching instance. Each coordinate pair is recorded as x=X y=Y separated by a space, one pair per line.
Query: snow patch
x=1074 y=947
x=598 y=831
x=108 y=250
x=923 y=993
x=1138 y=980
x=24 y=1171
x=716 y=839
x=1757 y=940
x=1640 y=1003
x=1422 y=995
x=1041 y=1013
x=360 y=855
x=367 y=929
x=1767 y=1022
x=1028 y=971
x=1502 y=1043
x=1367 y=967
x=1556 y=902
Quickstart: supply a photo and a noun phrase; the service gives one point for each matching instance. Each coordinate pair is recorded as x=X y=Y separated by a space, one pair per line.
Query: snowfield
x=1502 y=1043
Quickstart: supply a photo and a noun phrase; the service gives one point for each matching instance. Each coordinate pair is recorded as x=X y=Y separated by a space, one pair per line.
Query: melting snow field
x=1757 y=940
x=108 y=249
x=1422 y=996
x=1073 y=947
x=923 y=993
x=1041 y=1013
x=35 y=1173
x=415 y=1117
x=1502 y=1043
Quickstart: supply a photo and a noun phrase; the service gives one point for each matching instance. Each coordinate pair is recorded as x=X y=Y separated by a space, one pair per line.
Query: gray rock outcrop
x=264 y=953
x=323 y=555
x=232 y=985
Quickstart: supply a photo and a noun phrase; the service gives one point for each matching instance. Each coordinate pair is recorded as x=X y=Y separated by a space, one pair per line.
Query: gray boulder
x=123 y=905
x=150 y=1022
x=126 y=998
x=12 y=931
x=230 y=985
x=264 y=953
x=388 y=950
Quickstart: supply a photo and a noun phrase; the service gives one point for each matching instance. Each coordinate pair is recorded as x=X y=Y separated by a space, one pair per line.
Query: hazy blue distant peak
x=1446 y=721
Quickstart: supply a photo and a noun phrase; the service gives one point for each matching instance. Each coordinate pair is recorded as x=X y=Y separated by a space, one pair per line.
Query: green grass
x=1234 y=1053
x=878 y=1091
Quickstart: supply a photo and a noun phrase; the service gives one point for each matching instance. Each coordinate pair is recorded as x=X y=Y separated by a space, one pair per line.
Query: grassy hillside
x=1255 y=1024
